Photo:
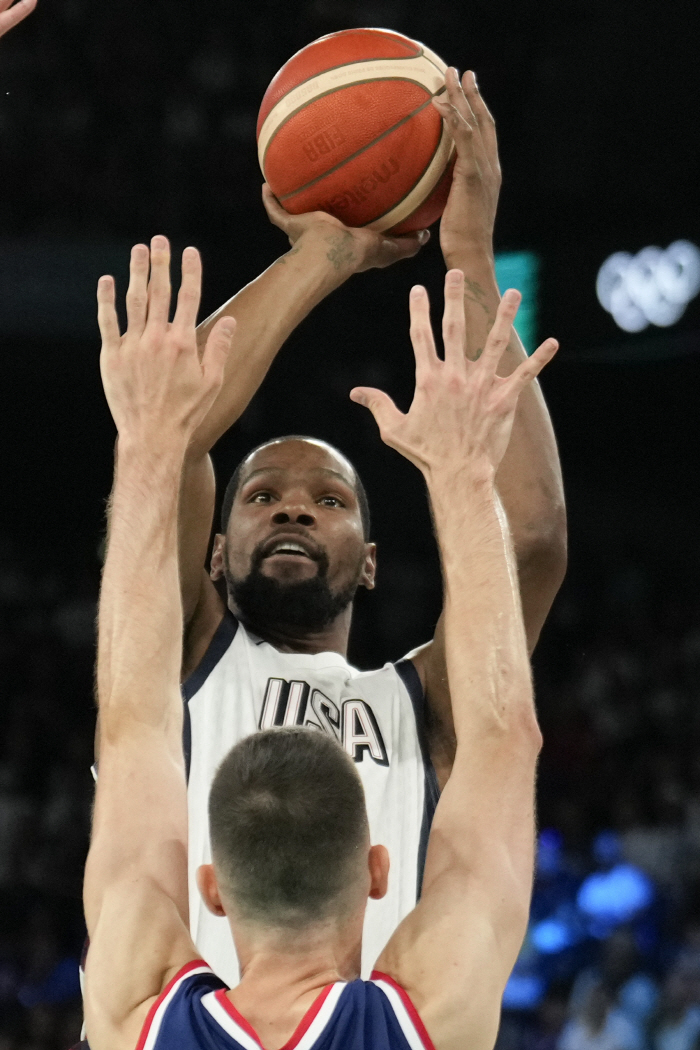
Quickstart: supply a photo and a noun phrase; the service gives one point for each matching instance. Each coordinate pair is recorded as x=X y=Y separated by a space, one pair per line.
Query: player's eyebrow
x=283 y=470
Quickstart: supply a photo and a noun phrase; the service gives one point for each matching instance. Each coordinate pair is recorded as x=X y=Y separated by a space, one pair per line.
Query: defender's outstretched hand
x=360 y=248
x=462 y=412
x=154 y=380
x=10 y=16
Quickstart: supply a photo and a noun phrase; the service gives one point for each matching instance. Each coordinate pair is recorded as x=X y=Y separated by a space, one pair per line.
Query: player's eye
x=331 y=501
x=260 y=497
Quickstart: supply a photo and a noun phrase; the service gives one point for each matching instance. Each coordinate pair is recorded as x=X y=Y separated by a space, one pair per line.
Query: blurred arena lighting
x=523 y=991
x=651 y=287
x=521 y=270
x=609 y=898
x=550 y=844
x=47 y=289
x=553 y=935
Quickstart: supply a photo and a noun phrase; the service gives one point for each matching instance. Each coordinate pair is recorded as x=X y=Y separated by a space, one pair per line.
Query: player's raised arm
x=10 y=16
x=453 y=954
x=135 y=891
x=529 y=476
x=323 y=255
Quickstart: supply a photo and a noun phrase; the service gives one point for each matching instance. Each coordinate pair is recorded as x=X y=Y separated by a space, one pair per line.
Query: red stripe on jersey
x=194 y=964
x=308 y=1017
x=299 y=1031
x=231 y=1010
x=420 y=1028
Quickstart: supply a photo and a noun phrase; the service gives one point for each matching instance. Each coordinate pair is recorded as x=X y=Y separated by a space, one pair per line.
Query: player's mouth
x=288 y=548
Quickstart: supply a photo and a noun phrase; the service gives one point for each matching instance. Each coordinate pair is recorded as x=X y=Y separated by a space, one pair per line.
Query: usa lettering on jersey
x=353 y=724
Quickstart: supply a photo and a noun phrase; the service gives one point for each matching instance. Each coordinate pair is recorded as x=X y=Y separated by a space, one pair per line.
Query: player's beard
x=300 y=606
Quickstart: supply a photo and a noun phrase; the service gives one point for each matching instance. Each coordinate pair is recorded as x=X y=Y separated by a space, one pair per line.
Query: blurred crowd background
x=118 y=121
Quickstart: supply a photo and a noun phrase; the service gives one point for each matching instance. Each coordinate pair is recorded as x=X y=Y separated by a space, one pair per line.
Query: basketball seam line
x=433 y=63
x=336 y=91
x=410 y=191
x=355 y=62
x=357 y=153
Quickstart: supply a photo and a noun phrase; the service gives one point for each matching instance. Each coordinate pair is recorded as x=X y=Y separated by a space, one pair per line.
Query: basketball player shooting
x=11 y=16
x=294 y=544
x=293 y=863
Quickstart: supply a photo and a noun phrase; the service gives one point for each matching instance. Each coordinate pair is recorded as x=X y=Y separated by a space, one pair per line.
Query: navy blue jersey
x=194 y=1013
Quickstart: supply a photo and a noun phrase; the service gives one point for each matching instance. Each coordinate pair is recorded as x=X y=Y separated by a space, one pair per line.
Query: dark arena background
x=120 y=120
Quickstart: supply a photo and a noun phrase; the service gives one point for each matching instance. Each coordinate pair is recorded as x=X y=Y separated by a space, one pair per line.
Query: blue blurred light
x=549 y=850
x=523 y=992
x=521 y=270
x=551 y=936
x=613 y=897
x=607 y=848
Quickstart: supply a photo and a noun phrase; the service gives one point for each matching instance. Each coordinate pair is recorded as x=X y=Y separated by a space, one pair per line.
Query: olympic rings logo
x=651 y=287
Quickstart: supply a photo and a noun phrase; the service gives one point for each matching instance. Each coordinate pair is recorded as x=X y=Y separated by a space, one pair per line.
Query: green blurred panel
x=521 y=270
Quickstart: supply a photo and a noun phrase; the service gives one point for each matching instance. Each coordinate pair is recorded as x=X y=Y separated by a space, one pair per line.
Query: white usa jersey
x=243 y=685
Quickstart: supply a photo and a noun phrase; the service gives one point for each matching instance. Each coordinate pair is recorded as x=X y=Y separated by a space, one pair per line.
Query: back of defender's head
x=288 y=827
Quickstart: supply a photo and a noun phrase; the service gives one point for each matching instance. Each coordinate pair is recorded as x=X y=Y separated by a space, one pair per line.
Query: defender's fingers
x=531 y=368
x=482 y=113
x=500 y=333
x=385 y=412
x=453 y=325
x=159 y=284
x=421 y=331
x=217 y=349
x=190 y=290
x=9 y=19
x=107 y=314
x=137 y=292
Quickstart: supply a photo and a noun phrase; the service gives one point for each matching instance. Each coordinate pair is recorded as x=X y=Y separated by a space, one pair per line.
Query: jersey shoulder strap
x=173 y=1020
x=412 y=1028
x=194 y=1013
x=221 y=640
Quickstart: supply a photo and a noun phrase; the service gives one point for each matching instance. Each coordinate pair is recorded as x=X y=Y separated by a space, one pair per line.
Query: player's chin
x=288 y=568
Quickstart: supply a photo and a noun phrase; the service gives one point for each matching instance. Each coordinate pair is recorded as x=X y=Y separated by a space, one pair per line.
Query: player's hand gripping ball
x=347 y=127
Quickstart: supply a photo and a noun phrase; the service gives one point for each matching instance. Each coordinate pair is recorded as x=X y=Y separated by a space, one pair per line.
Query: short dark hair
x=287 y=821
x=235 y=482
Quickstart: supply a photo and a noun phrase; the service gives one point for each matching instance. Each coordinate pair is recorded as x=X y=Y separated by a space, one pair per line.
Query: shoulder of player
x=202 y=626
x=139 y=947
x=133 y=1030
x=430 y=663
x=450 y=988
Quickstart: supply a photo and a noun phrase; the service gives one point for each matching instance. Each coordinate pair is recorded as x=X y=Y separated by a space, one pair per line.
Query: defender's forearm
x=140 y=615
x=267 y=311
x=487 y=661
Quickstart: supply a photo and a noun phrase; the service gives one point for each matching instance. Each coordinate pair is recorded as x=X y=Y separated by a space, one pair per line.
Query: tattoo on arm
x=292 y=251
x=340 y=252
x=474 y=293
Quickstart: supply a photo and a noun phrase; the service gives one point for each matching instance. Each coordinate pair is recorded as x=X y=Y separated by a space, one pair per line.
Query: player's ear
x=216 y=567
x=369 y=569
x=209 y=889
x=379 y=871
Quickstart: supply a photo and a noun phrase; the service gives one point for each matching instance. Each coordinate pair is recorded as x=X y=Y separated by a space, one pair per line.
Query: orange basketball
x=347 y=127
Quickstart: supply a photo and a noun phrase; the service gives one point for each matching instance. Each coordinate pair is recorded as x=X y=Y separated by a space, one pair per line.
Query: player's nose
x=295 y=511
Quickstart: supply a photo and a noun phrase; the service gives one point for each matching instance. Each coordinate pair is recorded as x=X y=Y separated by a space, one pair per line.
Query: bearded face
x=294 y=552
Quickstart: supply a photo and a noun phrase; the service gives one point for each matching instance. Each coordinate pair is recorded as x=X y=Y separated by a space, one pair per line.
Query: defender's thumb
x=380 y=405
